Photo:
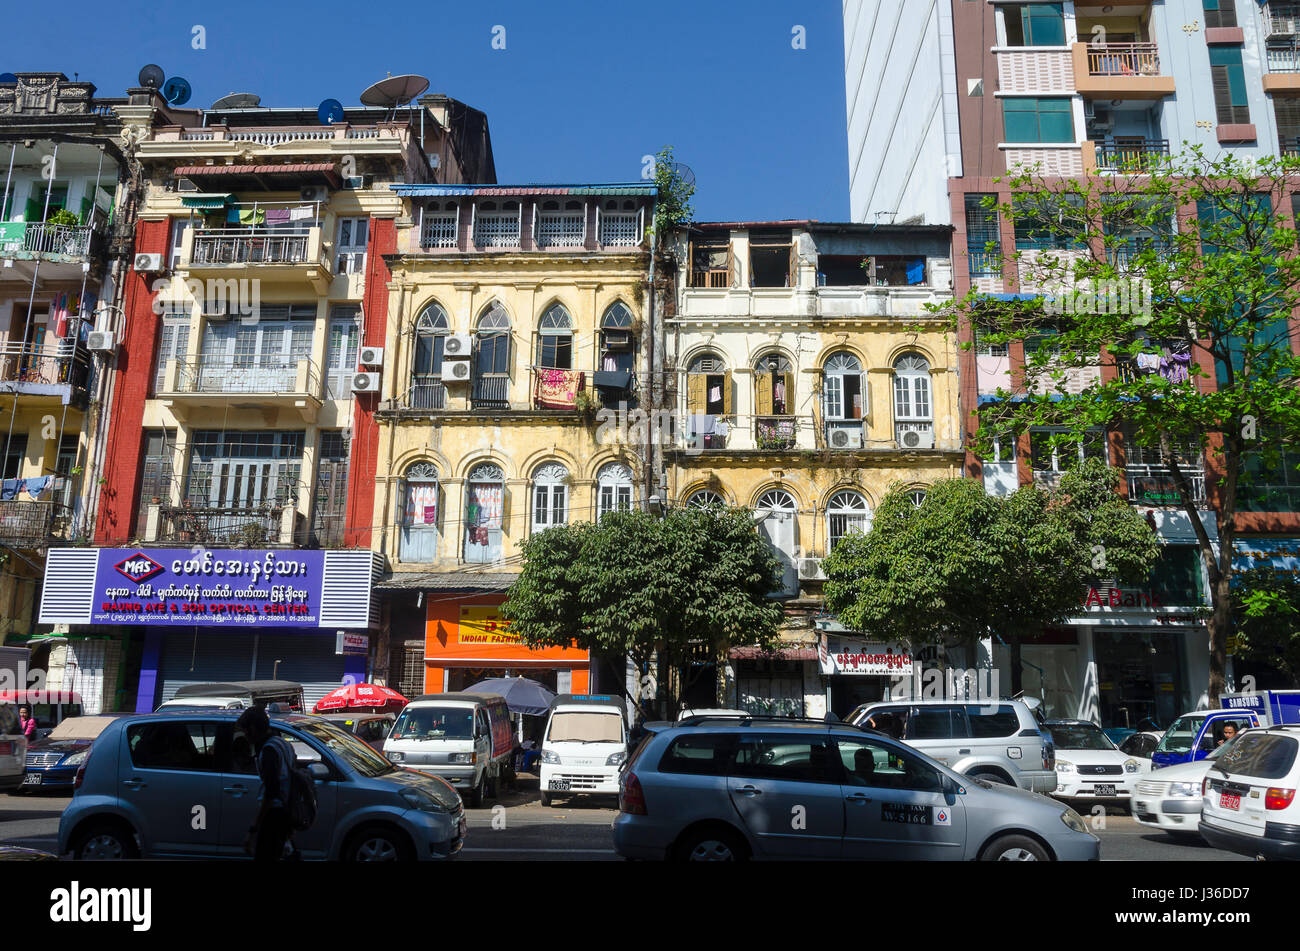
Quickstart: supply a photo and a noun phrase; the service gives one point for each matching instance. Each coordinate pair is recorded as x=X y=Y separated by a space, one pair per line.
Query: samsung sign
x=182 y=587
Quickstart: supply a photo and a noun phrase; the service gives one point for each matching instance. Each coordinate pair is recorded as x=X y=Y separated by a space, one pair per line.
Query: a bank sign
x=210 y=588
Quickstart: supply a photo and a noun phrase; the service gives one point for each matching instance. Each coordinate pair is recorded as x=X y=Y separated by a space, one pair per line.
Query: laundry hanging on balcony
x=1148 y=362
x=1175 y=364
x=277 y=216
x=302 y=214
x=246 y=216
x=558 y=389
x=38 y=486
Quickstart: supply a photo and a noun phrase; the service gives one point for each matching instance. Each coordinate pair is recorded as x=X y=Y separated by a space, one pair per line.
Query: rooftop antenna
x=152 y=76
x=177 y=91
x=394 y=91
x=238 y=100
x=329 y=112
x=684 y=173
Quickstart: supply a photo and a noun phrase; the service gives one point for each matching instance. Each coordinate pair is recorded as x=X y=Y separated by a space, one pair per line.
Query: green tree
x=1021 y=562
x=1266 y=609
x=1194 y=263
x=668 y=589
x=673 y=206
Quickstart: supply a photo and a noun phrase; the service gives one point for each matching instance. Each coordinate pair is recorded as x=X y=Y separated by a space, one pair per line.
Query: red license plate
x=1229 y=801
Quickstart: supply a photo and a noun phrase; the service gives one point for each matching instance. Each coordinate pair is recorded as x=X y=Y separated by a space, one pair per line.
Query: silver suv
x=150 y=777
x=713 y=789
x=998 y=741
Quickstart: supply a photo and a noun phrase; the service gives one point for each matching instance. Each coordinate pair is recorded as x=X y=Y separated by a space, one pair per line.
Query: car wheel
x=105 y=841
x=1014 y=848
x=712 y=845
x=475 y=797
x=377 y=844
x=996 y=779
x=546 y=799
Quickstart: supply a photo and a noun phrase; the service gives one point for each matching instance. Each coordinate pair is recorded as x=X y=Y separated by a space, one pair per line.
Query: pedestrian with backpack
x=274 y=826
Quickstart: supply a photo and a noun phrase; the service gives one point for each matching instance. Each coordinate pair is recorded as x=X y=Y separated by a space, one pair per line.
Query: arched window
x=419 y=515
x=617 y=342
x=492 y=357
x=706 y=499
x=913 y=412
x=708 y=386
x=484 y=511
x=431 y=329
x=613 y=489
x=846 y=514
x=778 y=517
x=555 y=339
x=550 y=496
x=773 y=385
x=844 y=393
x=917 y=496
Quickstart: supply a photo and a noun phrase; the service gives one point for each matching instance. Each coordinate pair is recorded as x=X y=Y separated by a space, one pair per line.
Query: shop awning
x=207 y=201
x=445 y=581
x=240 y=178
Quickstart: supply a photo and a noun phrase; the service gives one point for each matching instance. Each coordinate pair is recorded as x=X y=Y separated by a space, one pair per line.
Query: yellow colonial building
x=810 y=377
x=514 y=315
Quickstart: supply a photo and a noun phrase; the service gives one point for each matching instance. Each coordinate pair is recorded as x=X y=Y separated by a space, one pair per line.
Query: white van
x=464 y=738
x=584 y=746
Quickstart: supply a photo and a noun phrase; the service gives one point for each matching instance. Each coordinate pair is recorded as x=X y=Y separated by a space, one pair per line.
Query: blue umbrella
x=521 y=694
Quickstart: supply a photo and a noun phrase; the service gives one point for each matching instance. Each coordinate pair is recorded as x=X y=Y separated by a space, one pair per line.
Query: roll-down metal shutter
x=306 y=658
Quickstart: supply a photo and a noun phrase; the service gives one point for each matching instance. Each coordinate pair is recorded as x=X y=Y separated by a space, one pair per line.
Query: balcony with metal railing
x=438 y=231
x=714 y=277
x=31 y=524
x=620 y=230
x=1133 y=157
x=273 y=384
x=263 y=253
x=496 y=230
x=775 y=433
x=1120 y=71
x=273 y=525
x=59 y=372
x=30 y=240
x=985 y=263
x=426 y=391
x=490 y=391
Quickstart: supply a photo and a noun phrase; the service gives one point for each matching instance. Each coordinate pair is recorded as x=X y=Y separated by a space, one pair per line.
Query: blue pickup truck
x=1193 y=736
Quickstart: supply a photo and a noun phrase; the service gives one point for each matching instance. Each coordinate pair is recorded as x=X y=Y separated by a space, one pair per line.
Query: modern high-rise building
x=1065 y=90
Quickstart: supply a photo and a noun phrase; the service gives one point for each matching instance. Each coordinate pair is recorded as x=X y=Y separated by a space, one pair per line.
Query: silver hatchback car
x=184 y=783
x=787 y=789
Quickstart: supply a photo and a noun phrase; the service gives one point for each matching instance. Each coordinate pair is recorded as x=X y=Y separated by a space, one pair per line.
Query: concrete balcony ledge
x=1120 y=71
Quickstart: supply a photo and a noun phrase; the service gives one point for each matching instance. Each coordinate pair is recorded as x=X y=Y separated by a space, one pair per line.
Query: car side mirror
x=950 y=786
x=319 y=771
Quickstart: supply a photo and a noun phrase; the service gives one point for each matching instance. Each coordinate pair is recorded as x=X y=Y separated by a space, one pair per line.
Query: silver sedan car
x=719 y=790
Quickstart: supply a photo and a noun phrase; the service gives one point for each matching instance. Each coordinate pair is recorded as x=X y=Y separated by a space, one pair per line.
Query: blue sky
x=580 y=93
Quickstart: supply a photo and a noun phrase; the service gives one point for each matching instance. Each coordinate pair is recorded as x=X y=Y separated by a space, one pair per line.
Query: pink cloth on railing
x=558 y=389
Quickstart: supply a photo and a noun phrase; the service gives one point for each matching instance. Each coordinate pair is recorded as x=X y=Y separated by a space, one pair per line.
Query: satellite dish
x=8 y=78
x=684 y=173
x=177 y=91
x=151 y=77
x=238 y=100
x=394 y=91
x=329 y=112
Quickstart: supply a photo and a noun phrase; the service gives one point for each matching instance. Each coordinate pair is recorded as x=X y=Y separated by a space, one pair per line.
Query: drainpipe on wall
x=392 y=428
x=653 y=452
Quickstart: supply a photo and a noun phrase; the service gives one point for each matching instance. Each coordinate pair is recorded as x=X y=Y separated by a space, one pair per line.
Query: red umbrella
x=360 y=697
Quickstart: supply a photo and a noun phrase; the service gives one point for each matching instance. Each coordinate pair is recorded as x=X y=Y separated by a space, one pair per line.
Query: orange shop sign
x=482 y=624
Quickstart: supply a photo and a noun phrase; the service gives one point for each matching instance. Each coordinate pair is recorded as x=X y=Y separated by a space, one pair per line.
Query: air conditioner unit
x=101 y=341
x=148 y=263
x=1089 y=111
x=618 y=340
x=370 y=357
x=810 y=569
x=456 y=371
x=916 y=439
x=457 y=347
x=314 y=193
x=354 y=181
x=846 y=437
x=365 y=382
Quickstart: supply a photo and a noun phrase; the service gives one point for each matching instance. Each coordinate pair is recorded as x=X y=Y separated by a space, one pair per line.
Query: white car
x=1089 y=765
x=584 y=746
x=1170 y=798
x=1249 y=803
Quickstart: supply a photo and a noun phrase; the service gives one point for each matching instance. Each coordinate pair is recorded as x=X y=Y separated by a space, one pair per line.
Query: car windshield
x=1259 y=755
x=348 y=748
x=584 y=727
x=1079 y=736
x=1179 y=737
x=434 y=723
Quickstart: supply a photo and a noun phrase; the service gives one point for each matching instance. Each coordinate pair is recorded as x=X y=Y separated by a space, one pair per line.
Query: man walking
x=272 y=830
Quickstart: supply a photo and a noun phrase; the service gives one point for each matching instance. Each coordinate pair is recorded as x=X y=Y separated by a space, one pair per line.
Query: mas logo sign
x=138 y=568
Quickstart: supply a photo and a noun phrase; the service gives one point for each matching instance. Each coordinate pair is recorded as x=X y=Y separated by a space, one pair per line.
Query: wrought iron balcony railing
x=1132 y=157
x=31 y=524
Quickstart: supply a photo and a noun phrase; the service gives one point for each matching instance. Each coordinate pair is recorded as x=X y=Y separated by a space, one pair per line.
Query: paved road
x=519 y=828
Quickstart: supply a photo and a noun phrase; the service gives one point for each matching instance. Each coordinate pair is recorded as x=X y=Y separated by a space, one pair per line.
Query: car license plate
x=1104 y=789
x=558 y=784
x=906 y=813
x=1229 y=801
x=31 y=779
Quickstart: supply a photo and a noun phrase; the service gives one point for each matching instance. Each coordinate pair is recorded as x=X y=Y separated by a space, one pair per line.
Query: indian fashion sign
x=210 y=588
